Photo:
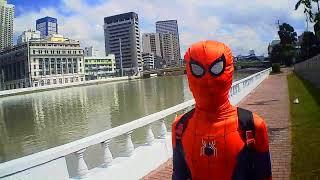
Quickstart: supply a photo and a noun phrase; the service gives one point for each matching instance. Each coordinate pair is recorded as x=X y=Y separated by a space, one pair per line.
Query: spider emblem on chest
x=208 y=148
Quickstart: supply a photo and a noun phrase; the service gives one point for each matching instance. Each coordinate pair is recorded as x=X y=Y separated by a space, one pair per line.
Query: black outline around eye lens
x=198 y=64
x=223 y=59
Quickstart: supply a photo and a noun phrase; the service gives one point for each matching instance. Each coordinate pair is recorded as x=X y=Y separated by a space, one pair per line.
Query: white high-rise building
x=26 y=36
x=171 y=27
x=151 y=43
x=6 y=24
x=168 y=49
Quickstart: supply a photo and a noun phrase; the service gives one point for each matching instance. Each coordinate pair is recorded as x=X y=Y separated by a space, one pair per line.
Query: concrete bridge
x=165 y=71
x=134 y=162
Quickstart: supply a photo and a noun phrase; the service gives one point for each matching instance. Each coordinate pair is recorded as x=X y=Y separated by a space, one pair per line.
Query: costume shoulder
x=261 y=134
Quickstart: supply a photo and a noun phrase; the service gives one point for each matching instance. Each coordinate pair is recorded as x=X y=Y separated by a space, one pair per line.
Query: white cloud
x=244 y=25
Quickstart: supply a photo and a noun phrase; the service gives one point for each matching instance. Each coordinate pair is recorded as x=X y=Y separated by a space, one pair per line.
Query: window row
x=57 y=52
x=58 y=81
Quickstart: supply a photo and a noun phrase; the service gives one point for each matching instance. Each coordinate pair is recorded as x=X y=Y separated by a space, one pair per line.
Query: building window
x=71 y=79
x=60 y=81
x=54 y=81
x=34 y=66
x=77 y=79
x=66 y=80
x=80 y=65
x=42 y=82
x=81 y=79
x=35 y=73
x=48 y=82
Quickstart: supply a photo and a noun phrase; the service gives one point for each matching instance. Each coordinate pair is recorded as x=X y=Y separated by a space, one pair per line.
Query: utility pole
x=120 y=49
x=278 y=23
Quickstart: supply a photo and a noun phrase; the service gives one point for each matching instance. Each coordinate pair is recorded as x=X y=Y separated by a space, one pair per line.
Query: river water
x=39 y=121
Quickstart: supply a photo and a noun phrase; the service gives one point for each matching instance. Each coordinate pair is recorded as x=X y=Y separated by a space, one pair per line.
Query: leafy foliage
x=287 y=34
x=309 y=45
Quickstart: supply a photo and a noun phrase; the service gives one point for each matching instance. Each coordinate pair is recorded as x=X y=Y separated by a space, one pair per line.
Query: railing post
x=107 y=156
x=150 y=135
x=82 y=168
x=129 y=148
x=163 y=132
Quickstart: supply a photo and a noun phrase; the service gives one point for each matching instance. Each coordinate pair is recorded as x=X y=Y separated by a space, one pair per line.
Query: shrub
x=276 y=67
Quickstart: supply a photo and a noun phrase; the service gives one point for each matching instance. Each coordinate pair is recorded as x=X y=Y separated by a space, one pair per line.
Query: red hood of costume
x=210 y=89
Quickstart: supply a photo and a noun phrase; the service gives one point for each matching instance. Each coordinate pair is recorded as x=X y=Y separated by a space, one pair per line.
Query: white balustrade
x=107 y=156
x=238 y=91
x=82 y=168
x=150 y=135
x=129 y=147
x=163 y=129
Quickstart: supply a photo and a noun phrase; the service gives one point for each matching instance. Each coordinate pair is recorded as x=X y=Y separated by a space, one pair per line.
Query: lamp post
x=120 y=50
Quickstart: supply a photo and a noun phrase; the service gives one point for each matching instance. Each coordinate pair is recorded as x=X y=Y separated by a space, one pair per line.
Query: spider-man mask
x=209 y=69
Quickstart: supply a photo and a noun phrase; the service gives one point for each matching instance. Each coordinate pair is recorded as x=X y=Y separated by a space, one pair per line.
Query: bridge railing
x=38 y=164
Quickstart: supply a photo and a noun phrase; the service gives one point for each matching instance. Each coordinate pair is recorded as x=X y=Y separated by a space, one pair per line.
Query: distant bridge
x=252 y=64
x=166 y=71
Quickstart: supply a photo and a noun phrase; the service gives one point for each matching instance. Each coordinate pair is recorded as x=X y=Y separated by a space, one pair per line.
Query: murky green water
x=35 y=122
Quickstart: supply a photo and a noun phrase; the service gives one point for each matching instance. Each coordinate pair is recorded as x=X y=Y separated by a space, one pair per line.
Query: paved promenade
x=271 y=101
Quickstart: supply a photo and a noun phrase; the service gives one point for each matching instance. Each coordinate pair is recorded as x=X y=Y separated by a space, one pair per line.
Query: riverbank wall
x=29 y=90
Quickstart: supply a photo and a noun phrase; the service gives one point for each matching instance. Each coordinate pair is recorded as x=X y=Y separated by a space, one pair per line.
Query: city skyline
x=243 y=27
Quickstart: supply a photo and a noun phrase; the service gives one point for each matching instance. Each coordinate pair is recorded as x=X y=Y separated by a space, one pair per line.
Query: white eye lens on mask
x=218 y=66
x=196 y=69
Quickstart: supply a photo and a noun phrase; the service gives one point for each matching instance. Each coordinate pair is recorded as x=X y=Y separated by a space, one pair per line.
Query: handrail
x=79 y=146
x=29 y=161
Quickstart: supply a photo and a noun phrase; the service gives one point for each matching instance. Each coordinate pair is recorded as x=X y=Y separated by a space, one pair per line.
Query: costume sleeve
x=262 y=156
x=180 y=167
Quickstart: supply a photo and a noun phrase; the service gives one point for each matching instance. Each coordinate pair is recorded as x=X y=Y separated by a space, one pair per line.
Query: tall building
x=168 y=49
x=47 y=26
x=42 y=62
x=6 y=24
x=171 y=26
x=122 y=38
x=28 y=35
x=91 y=51
x=151 y=43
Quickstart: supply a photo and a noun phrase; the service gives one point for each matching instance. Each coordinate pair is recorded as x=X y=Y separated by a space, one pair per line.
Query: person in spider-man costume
x=217 y=140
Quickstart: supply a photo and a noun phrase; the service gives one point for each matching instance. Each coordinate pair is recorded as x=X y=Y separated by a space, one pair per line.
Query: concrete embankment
x=29 y=90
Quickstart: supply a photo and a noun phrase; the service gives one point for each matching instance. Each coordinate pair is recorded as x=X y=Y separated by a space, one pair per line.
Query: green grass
x=305 y=119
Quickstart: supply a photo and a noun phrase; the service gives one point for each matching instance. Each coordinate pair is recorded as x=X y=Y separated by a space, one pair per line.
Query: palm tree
x=307 y=10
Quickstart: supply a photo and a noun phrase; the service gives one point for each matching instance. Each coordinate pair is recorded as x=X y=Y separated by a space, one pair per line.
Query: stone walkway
x=271 y=101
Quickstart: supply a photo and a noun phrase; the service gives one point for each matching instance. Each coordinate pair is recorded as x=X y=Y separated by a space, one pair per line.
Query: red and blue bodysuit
x=208 y=142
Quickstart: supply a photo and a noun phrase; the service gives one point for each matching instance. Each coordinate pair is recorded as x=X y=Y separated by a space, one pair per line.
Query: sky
x=241 y=24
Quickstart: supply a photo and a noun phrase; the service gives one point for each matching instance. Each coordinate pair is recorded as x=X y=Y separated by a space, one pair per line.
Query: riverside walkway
x=271 y=101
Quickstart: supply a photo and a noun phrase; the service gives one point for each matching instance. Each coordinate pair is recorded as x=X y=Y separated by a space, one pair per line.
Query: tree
x=287 y=34
x=309 y=45
x=276 y=54
x=307 y=10
x=316 y=26
x=284 y=52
